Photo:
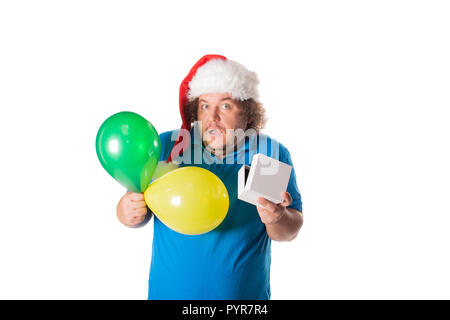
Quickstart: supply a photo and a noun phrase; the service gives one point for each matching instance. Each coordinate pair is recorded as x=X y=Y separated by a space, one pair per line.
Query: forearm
x=287 y=228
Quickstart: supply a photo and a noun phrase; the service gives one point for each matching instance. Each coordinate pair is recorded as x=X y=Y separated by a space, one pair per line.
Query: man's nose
x=214 y=114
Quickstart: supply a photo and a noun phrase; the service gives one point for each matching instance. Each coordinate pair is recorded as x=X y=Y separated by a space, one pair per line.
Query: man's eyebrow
x=203 y=100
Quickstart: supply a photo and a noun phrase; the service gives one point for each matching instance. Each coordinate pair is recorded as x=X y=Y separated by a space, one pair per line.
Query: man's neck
x=222 y=152
x=218 y=153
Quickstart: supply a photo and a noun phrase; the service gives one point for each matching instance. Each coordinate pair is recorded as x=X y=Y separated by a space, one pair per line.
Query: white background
x=357 y=90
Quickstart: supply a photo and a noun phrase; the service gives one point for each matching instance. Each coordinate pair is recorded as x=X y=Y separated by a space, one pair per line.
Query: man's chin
x=214 y=146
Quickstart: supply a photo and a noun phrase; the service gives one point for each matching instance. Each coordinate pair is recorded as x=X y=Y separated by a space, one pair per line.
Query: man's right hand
x=131 y=209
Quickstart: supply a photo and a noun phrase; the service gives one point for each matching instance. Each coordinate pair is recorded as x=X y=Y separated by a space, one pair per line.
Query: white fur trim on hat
x=224 y=76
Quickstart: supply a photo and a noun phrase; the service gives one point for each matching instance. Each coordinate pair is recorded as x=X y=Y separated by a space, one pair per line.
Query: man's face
x=217 y=113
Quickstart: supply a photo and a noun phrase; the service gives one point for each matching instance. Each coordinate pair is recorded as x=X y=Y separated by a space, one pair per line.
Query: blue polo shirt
x=231 y=262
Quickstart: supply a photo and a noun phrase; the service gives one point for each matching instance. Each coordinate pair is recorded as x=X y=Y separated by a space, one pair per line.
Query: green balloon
x=128 y=147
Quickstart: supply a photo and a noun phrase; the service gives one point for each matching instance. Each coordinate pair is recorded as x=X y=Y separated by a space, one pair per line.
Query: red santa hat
x=213 y=74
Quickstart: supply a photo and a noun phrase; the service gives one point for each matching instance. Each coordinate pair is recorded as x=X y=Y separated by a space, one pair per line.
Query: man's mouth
x=214 y=131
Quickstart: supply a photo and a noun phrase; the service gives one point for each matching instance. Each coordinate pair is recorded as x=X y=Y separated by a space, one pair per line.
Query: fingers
x=137 y=204
x=136 y=200
x=132 y=209
x=134 y=220
x=137 y=213
x=133 y=196
x=268 y=205
x=287 y=199
x=138 y=210
x=271 y=213
x=273 y=207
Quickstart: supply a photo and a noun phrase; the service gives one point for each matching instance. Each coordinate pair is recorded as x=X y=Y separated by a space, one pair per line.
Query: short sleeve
x=167 y=141
x=292 y=187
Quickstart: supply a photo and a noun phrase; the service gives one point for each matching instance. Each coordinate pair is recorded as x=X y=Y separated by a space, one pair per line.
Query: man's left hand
x=272 y=213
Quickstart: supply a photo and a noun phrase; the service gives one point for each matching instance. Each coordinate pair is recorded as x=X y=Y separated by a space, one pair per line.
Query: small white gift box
x=266 y=177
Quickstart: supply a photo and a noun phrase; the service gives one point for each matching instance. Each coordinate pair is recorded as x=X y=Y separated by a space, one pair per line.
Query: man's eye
x=226 y=106
x=204 y=106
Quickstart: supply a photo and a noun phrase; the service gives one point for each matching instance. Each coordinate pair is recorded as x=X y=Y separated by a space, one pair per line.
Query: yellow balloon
x=189 y=200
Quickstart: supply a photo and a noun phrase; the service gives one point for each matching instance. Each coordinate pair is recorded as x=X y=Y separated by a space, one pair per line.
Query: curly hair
x=252 y=110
